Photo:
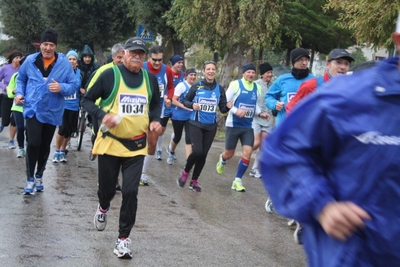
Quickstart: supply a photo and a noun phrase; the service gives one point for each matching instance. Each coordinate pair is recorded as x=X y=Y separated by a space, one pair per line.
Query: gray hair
x=116 y=49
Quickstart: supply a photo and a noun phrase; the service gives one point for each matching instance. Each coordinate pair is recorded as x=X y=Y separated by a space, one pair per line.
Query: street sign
x=36 y=43
x=144 y=33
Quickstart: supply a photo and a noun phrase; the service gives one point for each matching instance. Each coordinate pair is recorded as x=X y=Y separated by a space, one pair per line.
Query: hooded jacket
x=87 y=69
x=47 y=106
x=342 y=144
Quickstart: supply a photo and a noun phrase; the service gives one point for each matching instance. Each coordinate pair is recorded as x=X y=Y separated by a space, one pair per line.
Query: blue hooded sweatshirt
x=342 y=144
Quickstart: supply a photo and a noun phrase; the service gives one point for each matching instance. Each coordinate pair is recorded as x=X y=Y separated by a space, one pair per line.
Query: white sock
x=255 y=164
x=160 y=141
x=146 y=162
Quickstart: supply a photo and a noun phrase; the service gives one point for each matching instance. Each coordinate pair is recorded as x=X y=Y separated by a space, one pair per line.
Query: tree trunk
x=288 y=63
x=232 y=64
x=99 y=52
x=172 y=48
x=178 y=47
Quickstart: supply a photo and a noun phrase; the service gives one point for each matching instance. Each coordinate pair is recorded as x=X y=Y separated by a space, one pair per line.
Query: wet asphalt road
x=174 y=227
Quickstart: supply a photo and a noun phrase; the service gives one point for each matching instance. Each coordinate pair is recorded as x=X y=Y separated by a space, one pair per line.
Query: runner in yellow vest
x=129 y=109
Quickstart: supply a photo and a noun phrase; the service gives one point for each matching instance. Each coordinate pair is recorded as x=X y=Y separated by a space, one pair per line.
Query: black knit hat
x=297 y=53
x=49 y=35
x=264 y=67
x=248 y=66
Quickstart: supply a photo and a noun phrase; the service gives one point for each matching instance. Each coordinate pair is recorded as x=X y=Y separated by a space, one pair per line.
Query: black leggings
x=39 y=136
x=20 y=123
x=201 y=143
x=108 y=169
x=178 y=129
x=6 y=104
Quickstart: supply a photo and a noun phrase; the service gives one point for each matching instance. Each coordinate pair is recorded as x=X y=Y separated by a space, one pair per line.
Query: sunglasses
x=209 y=62
x=157 y=59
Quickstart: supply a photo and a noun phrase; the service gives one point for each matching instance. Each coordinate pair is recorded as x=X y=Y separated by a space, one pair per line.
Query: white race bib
x=132 y=105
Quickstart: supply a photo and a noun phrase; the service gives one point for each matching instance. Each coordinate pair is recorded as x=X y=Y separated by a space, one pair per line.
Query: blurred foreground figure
x=333 y=165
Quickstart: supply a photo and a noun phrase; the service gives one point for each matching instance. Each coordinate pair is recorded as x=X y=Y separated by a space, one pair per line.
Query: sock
x=58 y=151
x=242 y=167
x=102 y=210
x=160 y=141
x=146 y=162
x=223 y=160
x=255 y=164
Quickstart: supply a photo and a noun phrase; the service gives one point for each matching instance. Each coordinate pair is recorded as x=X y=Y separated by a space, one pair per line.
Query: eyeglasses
x=157 y=59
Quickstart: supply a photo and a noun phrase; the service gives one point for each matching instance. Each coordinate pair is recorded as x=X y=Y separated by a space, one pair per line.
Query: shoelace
x=195 y=183
x=101 y=217
x=124 y=243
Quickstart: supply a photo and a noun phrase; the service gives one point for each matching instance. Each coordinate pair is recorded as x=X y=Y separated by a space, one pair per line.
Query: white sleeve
x=179 y=89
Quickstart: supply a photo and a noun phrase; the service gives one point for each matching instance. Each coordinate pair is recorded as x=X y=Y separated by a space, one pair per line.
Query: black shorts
x=233 y=135
x=164 y=120
x=69 y=124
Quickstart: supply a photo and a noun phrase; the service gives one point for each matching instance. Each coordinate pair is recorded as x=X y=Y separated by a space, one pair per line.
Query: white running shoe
x=100 y=219
x=297 y=235
x=255 y=173
x=121 y=249
x=291 y=222
x=269 y=206
x=144 y=180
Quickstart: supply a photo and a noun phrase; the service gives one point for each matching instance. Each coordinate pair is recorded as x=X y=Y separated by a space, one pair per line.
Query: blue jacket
x=282 y=90
x=47 y=106
x=72 y=101
x=342 y=144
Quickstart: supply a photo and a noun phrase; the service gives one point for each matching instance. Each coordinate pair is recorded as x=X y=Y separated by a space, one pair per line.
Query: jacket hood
x=86 y=51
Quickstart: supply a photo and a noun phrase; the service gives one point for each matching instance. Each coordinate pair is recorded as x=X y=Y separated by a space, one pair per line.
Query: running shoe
x=11 y=144
x=21 y=153
x=169 y=152
x=62 y=157
x=118 y=187
x=30 y=186
x=91 y=156
x=159 y=155
x=100 y=218
x=144 y=180
x=237 y=185
x=255 y=173
x=220 y=165
x=56 y=158
x=182 y=180
x=39 y=183
x=297 y=235
x=195 y=186
x=170 y=159
x=121 y=249
x=269 y=207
